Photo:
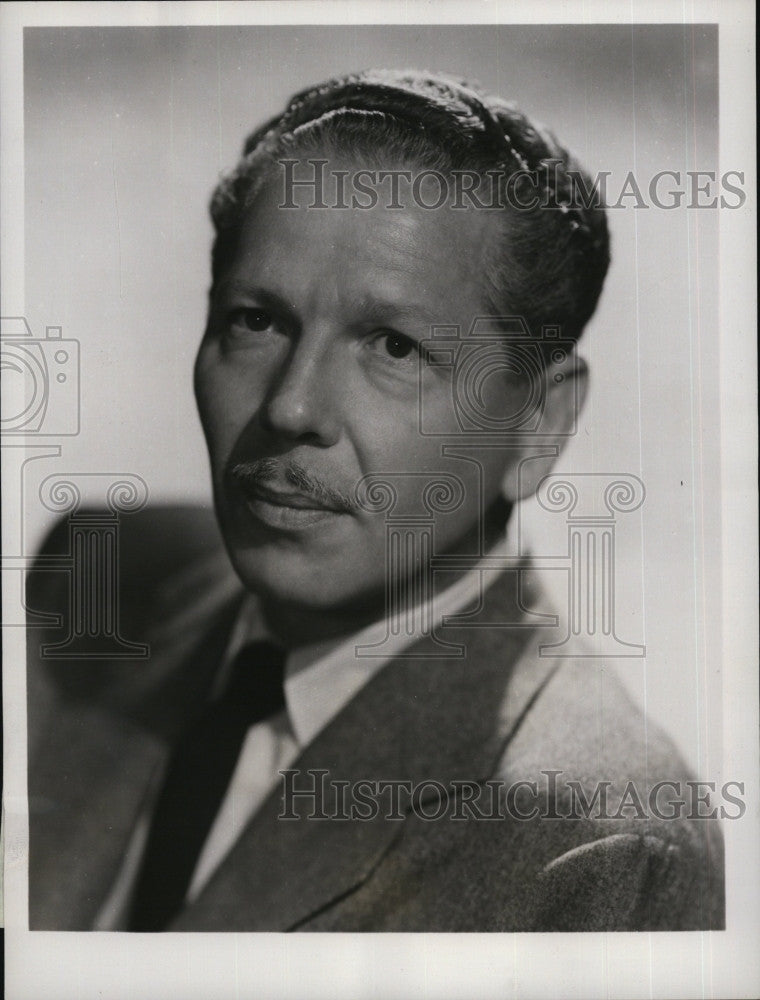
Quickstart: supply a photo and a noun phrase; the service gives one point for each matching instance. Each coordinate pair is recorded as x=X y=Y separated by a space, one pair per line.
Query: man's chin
x=289 y=580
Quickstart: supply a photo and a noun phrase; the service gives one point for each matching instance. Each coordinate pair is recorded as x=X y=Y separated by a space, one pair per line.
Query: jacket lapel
x=416 y=720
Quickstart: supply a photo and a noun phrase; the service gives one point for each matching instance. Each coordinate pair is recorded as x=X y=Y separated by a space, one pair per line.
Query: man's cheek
x=391 y=443
x=224 y=418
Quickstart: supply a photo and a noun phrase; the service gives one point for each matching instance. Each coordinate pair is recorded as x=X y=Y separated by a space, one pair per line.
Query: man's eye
x=394 y=345
x=252 y=319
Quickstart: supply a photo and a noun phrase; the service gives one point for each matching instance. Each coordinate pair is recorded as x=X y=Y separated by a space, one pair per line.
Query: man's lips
x=285 y=496
x=288 y=498
x=286 y=510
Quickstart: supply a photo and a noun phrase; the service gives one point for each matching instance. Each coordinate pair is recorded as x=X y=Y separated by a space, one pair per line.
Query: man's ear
x=564 y=393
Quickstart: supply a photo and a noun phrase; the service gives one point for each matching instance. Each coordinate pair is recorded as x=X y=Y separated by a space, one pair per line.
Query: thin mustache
x=261 y=471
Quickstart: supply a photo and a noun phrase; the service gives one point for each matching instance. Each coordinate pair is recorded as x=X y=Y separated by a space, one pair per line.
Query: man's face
x=307 y=381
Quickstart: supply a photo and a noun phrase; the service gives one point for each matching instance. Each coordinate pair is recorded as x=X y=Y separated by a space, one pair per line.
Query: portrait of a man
x=357 y=708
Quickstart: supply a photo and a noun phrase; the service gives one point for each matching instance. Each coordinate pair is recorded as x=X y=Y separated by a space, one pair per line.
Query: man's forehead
x=392 y=240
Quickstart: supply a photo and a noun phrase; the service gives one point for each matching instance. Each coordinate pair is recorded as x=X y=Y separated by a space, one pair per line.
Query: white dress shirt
x=320 y=680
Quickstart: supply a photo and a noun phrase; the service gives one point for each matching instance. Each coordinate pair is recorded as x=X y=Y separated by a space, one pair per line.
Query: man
x=366 y=736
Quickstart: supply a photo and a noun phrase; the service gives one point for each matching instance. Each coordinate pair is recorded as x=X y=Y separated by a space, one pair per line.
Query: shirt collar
x=321 y=678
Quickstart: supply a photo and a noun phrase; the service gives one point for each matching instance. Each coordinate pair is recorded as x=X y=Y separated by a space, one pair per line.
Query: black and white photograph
x=379 y=500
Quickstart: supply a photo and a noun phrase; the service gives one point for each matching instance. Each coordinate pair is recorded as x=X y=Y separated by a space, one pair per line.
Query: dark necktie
x=197 y=777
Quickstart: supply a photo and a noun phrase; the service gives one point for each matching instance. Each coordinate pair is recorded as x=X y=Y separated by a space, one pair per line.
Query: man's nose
x=302 y=400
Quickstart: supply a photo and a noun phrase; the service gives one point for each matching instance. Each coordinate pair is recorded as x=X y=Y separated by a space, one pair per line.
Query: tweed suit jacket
x=100 y=732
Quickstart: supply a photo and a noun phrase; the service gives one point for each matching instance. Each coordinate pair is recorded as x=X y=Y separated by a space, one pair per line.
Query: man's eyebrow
x=263 y=296
x=369 y=308
x=373 y=309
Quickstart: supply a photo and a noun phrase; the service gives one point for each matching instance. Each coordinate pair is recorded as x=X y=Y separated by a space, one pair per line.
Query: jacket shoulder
x=154 y=577
x=157 y=540
x=148 y=549
x=619 y=841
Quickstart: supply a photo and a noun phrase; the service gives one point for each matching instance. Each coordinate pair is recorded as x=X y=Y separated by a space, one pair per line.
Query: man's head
x=310 y=373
